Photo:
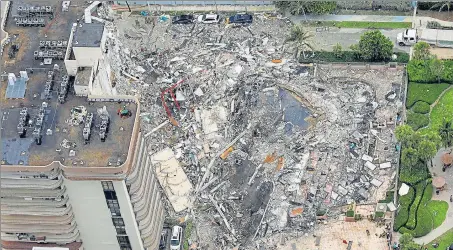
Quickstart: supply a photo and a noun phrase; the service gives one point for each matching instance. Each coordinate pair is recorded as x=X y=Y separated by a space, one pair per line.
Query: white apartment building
x=99 y=208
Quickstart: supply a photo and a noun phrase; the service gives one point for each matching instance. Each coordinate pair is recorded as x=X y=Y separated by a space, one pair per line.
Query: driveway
x=326 y=39
x=444 y=195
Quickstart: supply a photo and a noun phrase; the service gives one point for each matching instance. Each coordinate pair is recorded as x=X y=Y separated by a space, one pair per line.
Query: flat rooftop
x=64 y=137
x=83 y=76
x=88 y=35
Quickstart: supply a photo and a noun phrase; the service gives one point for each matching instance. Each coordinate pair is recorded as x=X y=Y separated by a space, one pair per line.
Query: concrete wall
x=87 y=56
x=128 y=215
x=81 y=90
x=92 y=215
x=71 y=67
x=5 y=5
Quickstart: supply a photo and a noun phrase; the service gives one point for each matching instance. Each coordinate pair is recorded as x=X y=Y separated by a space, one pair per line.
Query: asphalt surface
x=326 y=39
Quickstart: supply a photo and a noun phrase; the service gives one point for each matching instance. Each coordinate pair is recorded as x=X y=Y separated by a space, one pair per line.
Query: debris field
x=268 y=145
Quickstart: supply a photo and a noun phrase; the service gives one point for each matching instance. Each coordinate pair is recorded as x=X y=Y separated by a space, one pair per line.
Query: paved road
x=2 y=8
x=325 y=40
x=444 y=195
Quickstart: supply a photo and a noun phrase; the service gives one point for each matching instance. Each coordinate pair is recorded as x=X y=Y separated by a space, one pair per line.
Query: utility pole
x=414 y=5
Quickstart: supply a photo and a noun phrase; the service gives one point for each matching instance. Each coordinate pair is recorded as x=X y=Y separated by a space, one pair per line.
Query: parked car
x=241 y=18
x=183 y=19
x=163 y=240
x=176 y=237
x=209 y=18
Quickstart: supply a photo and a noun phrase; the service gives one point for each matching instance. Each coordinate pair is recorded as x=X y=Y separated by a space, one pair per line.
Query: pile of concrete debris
x=268 y=145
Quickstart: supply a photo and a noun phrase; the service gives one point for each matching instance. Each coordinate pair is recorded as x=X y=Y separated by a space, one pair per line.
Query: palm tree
x=442 y=5
x=299 y=39
x=446 y=132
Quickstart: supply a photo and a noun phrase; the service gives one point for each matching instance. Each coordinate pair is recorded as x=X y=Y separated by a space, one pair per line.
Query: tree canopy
x=404 y=134
x=446 y=133
x=421 y=51
x=374 y=46
x=299 y=38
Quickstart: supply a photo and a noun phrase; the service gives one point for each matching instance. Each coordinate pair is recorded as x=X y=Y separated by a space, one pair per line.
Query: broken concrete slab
x=172 y=179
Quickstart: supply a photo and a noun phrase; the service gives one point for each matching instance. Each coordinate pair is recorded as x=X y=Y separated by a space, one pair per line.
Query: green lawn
x=424 y=92
x=445 y=240
x=443 y=110
x=438 y=210
x=364 y=25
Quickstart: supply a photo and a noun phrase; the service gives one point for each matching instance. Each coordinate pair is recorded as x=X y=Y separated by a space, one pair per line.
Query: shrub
x=424 y=92
x=346 y=56
x=421 y=107
x=448 y=71
x=421 y=51
x=350 y=213
x=415 y=174
x=419 y=71
x=403 y=214
x=426 y=71
x=417 y=121
x=338 y=50
x=402 y=57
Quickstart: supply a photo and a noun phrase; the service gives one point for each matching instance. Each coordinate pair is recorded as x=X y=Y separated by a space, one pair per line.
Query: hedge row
x=412 y=221
x=423 y=71
x=424 y=221
x=343 y=56
x=416 y=120
x=421 y=107
x=403 y=214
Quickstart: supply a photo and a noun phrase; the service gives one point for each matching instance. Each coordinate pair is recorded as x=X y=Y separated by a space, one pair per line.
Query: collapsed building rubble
x=266 y=143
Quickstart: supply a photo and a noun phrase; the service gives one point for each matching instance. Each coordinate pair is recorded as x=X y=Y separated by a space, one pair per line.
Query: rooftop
x=88 y=35
x=61 y=140
x=83 y=76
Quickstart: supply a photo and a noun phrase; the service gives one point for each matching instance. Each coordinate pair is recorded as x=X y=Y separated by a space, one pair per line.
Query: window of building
x=114 y=207
x=107 y=186
x=118 y=221
x=120 y=230
x=110 y=195
x=124 y=242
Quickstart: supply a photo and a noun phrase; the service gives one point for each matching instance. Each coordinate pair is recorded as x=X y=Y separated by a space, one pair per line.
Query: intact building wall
x=92 y=215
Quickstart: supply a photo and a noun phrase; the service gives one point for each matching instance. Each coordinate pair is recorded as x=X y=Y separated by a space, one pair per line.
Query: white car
x=209 y=18
x=176 y=236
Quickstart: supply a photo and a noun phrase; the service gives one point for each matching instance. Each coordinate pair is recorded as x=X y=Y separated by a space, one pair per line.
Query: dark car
x=241 y=18
x=163 y=240
x=183 y=19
